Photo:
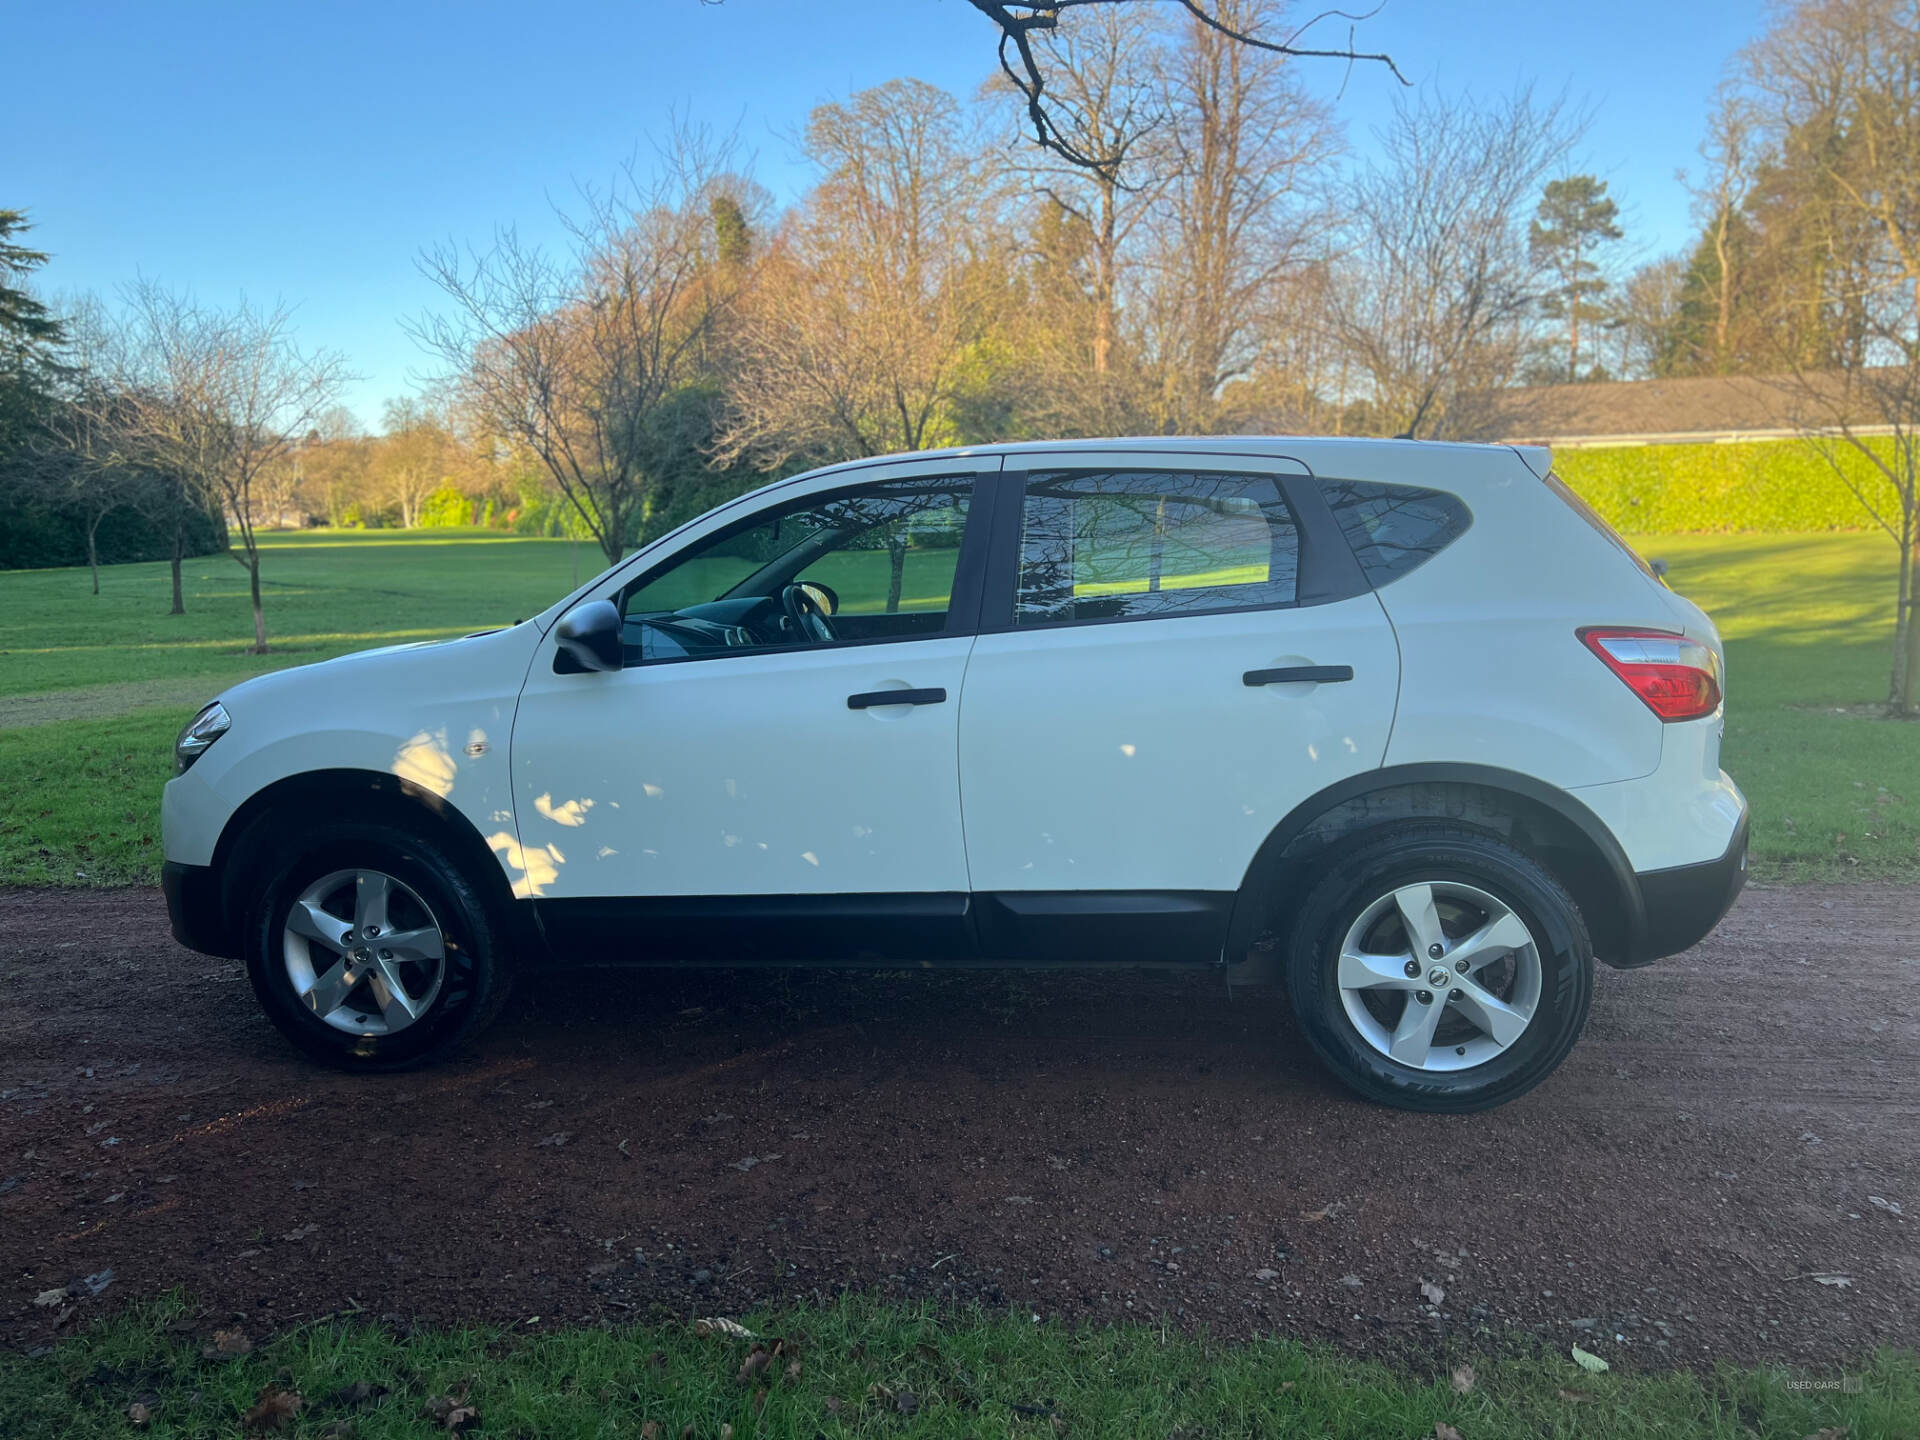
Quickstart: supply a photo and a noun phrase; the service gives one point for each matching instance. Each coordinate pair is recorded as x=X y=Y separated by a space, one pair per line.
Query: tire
x=473 y=977
x=1357 y=1013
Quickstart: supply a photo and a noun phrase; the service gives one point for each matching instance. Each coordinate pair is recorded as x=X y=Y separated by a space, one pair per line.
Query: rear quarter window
x=1394 y=529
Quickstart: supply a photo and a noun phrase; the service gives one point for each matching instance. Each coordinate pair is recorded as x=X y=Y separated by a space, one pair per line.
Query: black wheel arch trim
x=1249 y=909
x=344 y=789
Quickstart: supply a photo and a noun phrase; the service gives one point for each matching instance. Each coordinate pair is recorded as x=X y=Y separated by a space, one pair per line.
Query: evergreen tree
x=29 y=333
x=1575 y=220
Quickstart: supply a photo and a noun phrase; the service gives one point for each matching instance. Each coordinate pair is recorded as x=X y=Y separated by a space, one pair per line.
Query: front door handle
x=1298 y=675
x=866 y=700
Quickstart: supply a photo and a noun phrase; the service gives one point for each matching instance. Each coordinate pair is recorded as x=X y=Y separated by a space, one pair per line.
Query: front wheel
x=1437 y=968
x=370 y=950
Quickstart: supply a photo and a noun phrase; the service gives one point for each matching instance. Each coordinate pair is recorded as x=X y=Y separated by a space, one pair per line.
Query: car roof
x=1317 y=452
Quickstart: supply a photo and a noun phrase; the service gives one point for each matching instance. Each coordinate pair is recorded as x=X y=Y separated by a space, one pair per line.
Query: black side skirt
x=1014 y=928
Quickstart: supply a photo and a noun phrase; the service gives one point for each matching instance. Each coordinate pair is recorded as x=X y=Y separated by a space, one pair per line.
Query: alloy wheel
x=364 y=952
x=1439 y=975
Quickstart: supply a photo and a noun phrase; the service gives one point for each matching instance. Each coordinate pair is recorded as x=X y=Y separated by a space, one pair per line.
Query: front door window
x=876 y=563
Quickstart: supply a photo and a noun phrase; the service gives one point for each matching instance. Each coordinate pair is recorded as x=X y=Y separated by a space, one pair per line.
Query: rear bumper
x=194 y=907
x=1684 y=903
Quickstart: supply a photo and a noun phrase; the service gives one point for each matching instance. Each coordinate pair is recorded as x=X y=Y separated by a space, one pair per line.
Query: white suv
x=1411 y=711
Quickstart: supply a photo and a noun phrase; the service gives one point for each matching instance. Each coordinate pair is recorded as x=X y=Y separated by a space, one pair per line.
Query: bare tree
x=1107 y=103
x=1235 y=221
x=216 y=399
x=1024 y=57
x=863 y=314
x=76 y=464
x=1835 y=87
x=1434 y=288
x=411 y=460
x=1718 y=202
x=575 y=357
x=1644 y=314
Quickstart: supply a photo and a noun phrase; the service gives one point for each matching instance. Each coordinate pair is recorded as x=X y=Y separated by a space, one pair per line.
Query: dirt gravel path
x=1728 y=1167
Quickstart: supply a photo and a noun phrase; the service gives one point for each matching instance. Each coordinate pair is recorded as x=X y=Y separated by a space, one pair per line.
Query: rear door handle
x=870 y=698
x=1298 y=675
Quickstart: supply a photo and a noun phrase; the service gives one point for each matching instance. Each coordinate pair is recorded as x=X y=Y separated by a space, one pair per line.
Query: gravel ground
x=1728 y=1167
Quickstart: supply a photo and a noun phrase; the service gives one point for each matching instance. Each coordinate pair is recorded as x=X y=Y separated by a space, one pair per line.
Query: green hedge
x=38 y=537
x=1762 y=485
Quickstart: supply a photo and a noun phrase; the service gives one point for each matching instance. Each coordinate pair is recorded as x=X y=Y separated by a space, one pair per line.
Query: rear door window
x=1136 y=544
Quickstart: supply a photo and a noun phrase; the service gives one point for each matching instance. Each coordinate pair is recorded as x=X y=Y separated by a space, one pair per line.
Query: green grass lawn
x=93 y=688
x=865 y=1368
x=1808 y=621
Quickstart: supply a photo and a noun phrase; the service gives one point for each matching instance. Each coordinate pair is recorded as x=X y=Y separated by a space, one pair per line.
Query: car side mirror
x=589 y=638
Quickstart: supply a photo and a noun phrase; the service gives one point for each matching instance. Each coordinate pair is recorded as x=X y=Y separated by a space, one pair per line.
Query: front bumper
x=1682 y=904
x=195 y=908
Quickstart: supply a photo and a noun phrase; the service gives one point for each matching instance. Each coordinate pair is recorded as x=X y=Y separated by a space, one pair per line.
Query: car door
x=746 y=787
x=1175 y=651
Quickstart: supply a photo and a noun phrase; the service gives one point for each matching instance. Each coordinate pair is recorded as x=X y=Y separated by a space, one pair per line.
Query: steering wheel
x=805 y=614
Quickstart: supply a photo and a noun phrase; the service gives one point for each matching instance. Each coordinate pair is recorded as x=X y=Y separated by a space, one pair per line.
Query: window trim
x=1327 y=572
x=963 y=608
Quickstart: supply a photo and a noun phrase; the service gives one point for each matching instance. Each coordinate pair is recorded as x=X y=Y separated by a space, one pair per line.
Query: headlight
x=205 y=728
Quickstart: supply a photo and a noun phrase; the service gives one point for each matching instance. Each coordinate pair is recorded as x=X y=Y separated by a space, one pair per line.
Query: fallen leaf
x=273 y=1407
x=462 y=1419
x=726 y=1432
x=301 y=1232
x=47 y=1299
x=1575 y=1397
x=832 y=1402
x=1433 y=1294
x=1587 y=1360
x=757 y=1360
x=226 y=1344
x=1841 y=1282
x=352 y=1397
x=720 y=1325
x=650 y=1430
x=1325 y=1212
x=559 y=1137
x=139 y=1415
x=96 y=1283
x=1462 y=1379
x=1265 y=1273
x=1444 y=1431
x=793 y=1371
x=1880 y=1202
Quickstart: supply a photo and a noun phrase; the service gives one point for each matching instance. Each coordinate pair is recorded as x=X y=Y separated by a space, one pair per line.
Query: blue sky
x=307 y=153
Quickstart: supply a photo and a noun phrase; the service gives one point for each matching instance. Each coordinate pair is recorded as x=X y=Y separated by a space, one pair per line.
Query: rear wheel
x=1437 y=968
x=370 y=950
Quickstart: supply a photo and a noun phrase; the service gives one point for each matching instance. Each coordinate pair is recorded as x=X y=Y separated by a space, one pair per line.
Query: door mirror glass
x=589 y=638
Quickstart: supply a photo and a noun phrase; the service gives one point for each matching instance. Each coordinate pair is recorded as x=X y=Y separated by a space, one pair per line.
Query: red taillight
x=1678 y=678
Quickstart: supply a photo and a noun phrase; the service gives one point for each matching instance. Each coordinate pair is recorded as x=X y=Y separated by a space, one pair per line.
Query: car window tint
x=879 y=560
x=1113 y=544
x=1395 y=528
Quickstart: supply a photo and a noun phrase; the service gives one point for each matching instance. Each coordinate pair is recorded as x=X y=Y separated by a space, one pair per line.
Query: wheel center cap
x=1439 y=977
x=362 y=957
